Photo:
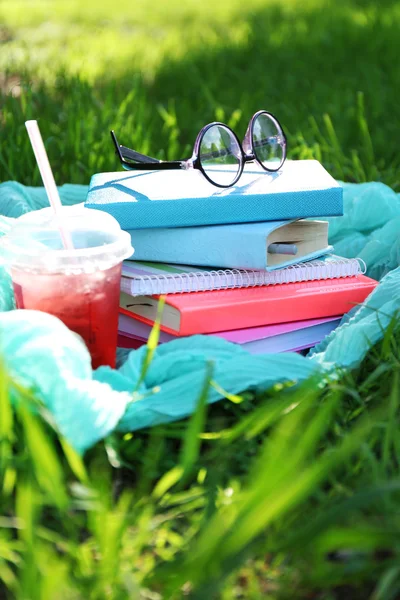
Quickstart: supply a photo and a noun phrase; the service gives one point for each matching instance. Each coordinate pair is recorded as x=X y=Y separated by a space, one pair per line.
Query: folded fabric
x=44 y=355
x=369 y=227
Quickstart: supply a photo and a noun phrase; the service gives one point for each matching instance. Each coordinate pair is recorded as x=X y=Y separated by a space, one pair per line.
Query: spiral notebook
x=149 y=278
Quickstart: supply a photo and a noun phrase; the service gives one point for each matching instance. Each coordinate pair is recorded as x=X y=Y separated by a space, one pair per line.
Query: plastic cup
x=80 y=286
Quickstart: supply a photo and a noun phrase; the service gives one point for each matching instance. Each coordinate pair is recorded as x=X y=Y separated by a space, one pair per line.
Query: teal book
x=151 y=199
x=240 y=246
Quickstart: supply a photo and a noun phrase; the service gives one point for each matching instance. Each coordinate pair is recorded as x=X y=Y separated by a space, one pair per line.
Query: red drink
x=79 y=285
x=87 y=303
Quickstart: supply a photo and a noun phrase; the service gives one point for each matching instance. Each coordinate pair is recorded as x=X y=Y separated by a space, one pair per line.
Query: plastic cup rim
x=110 y=253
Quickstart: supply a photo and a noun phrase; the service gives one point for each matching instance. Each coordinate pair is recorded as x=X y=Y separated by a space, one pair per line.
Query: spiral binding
x=224 y=279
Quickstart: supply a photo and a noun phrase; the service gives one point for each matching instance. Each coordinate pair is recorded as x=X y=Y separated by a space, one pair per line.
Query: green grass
x=158 y=73
x=293 y=493
x=289 y=494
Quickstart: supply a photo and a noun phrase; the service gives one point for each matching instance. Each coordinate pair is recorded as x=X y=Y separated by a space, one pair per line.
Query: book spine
x=236 y=278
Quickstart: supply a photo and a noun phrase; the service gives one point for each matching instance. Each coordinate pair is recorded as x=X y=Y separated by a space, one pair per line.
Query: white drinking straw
x=48 y=179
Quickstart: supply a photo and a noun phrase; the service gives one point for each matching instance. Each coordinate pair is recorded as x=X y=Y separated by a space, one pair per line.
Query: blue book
x=150 y=199
x=240 y=246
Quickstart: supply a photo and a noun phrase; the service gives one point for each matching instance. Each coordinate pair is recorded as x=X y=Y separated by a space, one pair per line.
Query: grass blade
x=192 y=440
x=152 y=342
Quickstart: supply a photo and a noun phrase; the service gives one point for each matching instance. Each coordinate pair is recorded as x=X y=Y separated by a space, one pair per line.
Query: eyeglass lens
x=220 y=155
x=268 y=142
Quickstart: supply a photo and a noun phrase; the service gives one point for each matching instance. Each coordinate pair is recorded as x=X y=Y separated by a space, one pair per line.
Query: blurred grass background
x=157 y=72
x=283 y=495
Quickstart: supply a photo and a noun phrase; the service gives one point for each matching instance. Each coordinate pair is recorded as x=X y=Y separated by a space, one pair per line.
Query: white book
x=148 y=278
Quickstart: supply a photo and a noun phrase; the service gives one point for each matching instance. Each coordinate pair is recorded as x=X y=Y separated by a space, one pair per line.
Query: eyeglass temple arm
x=146 y=162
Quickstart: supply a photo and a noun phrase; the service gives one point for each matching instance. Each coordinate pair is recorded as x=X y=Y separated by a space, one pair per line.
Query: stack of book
x=225 y=263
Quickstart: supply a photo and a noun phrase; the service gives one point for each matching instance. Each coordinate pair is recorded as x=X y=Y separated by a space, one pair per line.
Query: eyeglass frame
x=147 y=163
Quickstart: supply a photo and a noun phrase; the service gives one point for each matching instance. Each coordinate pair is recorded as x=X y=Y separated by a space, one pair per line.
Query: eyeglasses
x=217 y=152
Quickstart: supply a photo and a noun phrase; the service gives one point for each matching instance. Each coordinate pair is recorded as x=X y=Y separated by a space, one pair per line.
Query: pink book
x=224 y=310
x=285 y=337
x=138 y=330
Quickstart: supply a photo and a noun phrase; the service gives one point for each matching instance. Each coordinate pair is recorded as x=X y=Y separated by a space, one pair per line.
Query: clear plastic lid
x=34 y=241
